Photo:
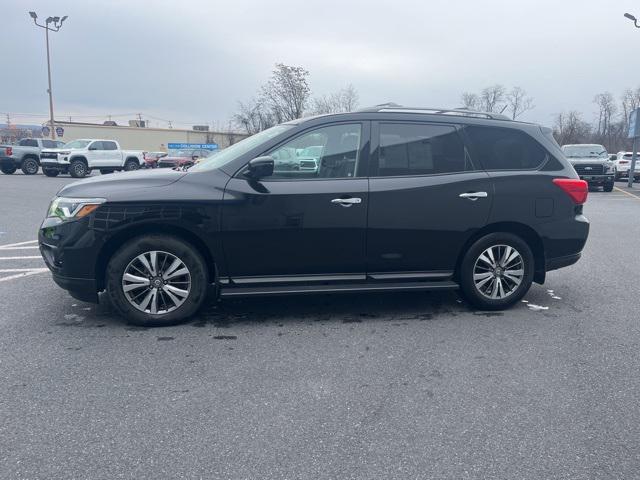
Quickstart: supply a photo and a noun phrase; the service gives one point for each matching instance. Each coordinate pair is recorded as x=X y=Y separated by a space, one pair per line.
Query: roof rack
x=395 y=108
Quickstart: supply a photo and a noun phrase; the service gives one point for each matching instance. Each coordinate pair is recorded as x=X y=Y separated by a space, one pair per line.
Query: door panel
x=421 y=223
x=282 y=228
x=418 y=221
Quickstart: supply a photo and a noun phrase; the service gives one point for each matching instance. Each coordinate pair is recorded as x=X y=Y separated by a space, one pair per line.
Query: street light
x=633 y=19
x=57 y=24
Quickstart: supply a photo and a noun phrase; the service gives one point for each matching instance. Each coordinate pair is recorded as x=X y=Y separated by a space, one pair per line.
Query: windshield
x=238 y=149
x=582 y=151
x=77 y=144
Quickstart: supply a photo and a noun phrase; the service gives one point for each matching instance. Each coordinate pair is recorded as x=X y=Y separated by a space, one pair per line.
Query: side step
x=226 y=291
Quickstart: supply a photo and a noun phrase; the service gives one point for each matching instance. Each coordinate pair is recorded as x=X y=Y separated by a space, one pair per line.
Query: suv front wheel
x=156 y=280
x=497 y=271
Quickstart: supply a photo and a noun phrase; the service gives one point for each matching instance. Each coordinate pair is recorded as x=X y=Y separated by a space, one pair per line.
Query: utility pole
x=634 y=126
x=57 y=25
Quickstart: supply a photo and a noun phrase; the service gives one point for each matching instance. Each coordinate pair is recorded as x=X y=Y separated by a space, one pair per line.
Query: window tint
x=419 y=149
x=96 y=146
x=327 y=152
x=28 y=142
x=50 y=144
x=109 y=146
x=504 y=149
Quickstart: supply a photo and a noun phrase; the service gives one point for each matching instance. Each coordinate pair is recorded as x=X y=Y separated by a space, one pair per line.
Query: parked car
x=592 y=164
x=623 y=165
x=151 y=158
x=402 y=199
x=25 y=155
x=79 y=157
x=182 y=158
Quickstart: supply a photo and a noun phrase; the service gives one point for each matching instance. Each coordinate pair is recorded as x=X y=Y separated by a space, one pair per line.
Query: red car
x=182 y=158
x=151 y=158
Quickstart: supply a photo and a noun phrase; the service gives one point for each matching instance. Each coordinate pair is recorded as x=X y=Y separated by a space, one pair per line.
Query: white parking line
x=28 y=257
x=24 y=274
x=14 y=270
x=10 y=246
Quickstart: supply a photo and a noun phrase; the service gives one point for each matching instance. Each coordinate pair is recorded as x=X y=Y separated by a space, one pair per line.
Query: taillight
x=578 y=190
x=9 y=151
x=623 y=162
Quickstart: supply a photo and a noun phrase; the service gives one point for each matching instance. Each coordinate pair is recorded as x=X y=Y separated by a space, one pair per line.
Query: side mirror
x=194 y=157
x=93 y=148
x=260 y=167
x=613 y=157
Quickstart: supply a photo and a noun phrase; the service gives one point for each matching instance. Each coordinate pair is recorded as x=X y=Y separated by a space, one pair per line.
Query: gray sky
x=191 y=61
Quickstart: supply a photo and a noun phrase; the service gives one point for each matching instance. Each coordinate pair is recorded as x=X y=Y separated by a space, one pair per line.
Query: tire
x=131 y=165
x=618 y=177
x=608 y=187
x=473 y=264
x=8 y=170
x=50 y=172
x=141 y=296
x=78 y=169
x=105 y=171
x=30 y=166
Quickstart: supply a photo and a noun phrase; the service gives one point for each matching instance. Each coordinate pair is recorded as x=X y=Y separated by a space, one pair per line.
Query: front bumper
x=70 y=251
x=53 y=165
x=598 y=179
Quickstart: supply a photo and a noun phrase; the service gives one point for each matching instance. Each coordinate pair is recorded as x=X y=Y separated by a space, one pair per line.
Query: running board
x=226 y=291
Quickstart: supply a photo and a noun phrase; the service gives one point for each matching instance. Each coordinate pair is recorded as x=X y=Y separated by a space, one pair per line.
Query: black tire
x=51 y=172
x=8 y=170
x=131 y=165
x=469 y=264
x=30 y=166
x=78 y=169
x=608 y=187
x=618 y=177
x=105 y=171
x=182 y=250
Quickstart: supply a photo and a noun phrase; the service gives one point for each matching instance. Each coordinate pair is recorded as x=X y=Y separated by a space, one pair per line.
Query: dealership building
x=137 y=136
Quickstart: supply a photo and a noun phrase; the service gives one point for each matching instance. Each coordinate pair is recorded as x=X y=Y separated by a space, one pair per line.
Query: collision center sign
x=184 y=146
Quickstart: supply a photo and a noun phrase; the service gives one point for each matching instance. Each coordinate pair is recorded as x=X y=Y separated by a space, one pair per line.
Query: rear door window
x=109 y=146
x=504 y=149
x=419 y=149
x=28 y=142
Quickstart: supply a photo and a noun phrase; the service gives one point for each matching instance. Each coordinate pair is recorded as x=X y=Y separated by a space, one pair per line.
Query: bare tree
x=287 y=92
x=518 y=102
x=492 y=98
x=606 y=110
x=570 y=128
x=254 y=116
x=345 y=100
x=630 y=100
x=470 y=101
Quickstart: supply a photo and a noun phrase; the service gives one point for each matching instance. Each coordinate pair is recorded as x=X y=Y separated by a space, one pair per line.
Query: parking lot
x=411 y=385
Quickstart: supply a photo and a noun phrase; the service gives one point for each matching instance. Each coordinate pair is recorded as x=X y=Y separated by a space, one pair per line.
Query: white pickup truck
x=81 y=156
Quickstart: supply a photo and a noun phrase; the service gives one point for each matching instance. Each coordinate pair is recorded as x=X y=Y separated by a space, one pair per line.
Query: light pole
x=57 y=24
x=634 y=156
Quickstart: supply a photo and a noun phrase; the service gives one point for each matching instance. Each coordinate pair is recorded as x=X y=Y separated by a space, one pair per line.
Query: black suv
x=387 y=198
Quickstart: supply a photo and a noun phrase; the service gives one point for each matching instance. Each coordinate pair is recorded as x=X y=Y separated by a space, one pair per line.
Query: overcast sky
x=190 y=61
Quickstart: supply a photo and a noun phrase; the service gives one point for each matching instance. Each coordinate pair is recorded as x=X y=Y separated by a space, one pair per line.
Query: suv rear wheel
x=157 y=280
x=497 y=271
x=8 y=170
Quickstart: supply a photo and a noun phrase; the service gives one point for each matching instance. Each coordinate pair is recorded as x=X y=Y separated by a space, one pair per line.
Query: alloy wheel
x=156 y=282
x=498 y=272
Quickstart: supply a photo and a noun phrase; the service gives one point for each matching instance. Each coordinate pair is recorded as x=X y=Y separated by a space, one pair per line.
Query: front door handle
x=346 y=202
x=473 y=196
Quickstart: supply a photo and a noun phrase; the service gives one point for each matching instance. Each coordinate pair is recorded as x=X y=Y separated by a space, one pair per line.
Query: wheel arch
x=119 y=239
x=30 y=155
x=528 y=234
x=82 y=158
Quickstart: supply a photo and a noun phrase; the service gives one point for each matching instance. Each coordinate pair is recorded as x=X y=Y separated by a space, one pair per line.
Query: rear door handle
x=473 y=196
x=346 y=202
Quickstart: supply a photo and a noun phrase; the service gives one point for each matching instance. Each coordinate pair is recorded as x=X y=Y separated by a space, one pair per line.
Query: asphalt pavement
x=368 y=386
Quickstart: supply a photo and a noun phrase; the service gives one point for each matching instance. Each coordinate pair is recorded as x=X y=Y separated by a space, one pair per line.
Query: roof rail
x=395 y=108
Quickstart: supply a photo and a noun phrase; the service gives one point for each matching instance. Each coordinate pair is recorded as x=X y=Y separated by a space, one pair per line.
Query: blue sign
x=45 y=131
x=634 y=124
x=59 y=131
x=186 y=146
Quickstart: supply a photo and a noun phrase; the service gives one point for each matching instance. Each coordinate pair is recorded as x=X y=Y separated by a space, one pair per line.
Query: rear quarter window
x=504 y=149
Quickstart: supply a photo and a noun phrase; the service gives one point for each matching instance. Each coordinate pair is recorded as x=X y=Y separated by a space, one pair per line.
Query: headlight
x=68 y=208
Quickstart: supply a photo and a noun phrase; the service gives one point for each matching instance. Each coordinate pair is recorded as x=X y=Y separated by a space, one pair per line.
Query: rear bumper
x=8 y=162
x=561 y=262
